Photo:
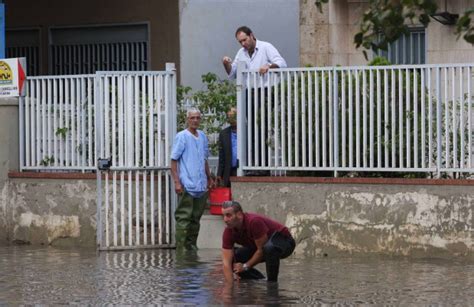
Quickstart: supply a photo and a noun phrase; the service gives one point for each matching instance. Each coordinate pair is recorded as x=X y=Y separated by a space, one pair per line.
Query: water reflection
x=62 y=276
x=254 y=293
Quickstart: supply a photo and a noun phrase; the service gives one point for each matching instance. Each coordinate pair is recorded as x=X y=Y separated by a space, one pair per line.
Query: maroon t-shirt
x=254 y=226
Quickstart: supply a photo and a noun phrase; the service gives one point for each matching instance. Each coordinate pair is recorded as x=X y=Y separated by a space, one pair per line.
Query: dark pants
x=277 y=247
x=233 y=173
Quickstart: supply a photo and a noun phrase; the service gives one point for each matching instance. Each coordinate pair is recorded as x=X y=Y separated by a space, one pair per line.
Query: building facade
x=83 y=37
x=327 y=38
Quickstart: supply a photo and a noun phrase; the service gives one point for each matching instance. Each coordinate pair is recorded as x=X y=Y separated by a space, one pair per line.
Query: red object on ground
x=216 y=197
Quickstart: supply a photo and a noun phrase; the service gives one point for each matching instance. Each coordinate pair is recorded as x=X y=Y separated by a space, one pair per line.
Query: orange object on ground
x=216 y=197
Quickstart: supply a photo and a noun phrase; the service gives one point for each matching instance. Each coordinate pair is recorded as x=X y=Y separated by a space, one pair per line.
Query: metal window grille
x=86 y=50
x=408 y=49
x=88 y=58
x=24 y=43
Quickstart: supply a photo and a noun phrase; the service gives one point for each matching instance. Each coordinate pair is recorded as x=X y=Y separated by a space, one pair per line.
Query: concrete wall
x=207 y=29
x=9 y=150
x=416 y=220
x=327 y=39
x=8 y=156
x=48 y=212
x=162 y=16
x=40 y=211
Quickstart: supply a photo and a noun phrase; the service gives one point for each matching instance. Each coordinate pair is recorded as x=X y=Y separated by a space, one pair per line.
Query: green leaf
x=358 y=39
x=384 y=21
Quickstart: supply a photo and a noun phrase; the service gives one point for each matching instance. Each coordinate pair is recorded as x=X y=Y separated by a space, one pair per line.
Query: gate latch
x=104 y=164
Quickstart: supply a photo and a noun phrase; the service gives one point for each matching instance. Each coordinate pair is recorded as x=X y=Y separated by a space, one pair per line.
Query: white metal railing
x=416 y=118
x=127 y=118
x=57 y=126
x=137 y=114
x=58 y=121
x=135 y=128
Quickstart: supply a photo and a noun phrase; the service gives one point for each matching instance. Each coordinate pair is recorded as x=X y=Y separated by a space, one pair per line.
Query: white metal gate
x=136 y=121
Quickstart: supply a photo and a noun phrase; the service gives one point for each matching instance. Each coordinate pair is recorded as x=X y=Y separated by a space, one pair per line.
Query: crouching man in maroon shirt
x=261 y=240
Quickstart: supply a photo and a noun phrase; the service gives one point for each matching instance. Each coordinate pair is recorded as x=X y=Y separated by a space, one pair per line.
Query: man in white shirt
x=256 y=54
x=261 y=56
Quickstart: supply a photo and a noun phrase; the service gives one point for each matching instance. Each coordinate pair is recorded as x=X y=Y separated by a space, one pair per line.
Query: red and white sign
x=12 y=77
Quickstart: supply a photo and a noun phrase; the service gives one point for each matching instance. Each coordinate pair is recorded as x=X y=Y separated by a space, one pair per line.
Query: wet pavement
x=79 y=276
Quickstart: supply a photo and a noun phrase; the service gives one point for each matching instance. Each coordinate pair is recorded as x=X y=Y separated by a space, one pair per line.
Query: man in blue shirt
x=228 y=149
x=191 y=175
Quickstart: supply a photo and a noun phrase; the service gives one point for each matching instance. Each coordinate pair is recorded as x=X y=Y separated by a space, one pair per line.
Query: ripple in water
x=72 y=276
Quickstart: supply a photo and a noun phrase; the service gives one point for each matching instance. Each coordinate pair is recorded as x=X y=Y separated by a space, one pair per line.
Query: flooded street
x=62 y=276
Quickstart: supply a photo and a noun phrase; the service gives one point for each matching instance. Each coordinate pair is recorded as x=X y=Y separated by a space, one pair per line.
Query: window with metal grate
x=408 y=49
x=85 y=50
x=25 y=43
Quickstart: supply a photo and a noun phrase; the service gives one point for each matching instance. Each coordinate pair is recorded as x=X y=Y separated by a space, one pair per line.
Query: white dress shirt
x=264 y=53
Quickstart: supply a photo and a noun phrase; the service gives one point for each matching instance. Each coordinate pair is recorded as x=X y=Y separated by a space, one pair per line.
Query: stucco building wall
x=327 y=38
x=442 y=44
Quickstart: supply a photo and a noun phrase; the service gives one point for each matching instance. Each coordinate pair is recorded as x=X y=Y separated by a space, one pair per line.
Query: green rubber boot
x=191 y=242
x=181 y=237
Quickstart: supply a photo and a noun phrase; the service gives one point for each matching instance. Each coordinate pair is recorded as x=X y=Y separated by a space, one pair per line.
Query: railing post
x=438 y=123
x=241 y=120
x=98 y=110
x=170 y=67
x=21 y=120
x=99 y=146
x=336 y=122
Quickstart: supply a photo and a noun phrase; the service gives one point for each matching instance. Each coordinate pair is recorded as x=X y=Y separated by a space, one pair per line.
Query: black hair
x=244 y=29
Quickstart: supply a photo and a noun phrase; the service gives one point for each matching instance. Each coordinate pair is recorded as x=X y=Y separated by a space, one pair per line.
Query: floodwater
x=77 y=276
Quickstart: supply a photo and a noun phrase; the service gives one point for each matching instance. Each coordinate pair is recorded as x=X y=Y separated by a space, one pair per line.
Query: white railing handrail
x=47 y=77
x=375 y=67
x=57 y=118
x=133 y=73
